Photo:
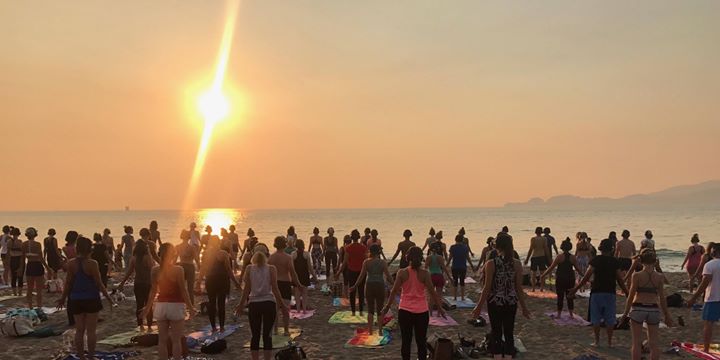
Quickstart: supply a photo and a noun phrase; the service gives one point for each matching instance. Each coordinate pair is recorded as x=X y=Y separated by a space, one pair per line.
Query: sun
x=214 y=106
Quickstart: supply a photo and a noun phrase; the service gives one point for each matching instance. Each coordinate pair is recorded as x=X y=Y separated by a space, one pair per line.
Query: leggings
x=16 y=275
x=261 y=315
x=502 y=325
x=317 y=256
x=561 y=294
x=142 y=293
x=413 y=323
x=331 y=260
x=216 y=307
x=352 y=279
x=189 y=270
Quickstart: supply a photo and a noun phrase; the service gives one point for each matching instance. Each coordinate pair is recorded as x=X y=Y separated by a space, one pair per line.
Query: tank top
x=261 y=289
x=301 y=268
x=503 y=285
x=70 y=251
x=142 y=270
x=51 y=249
x=696 y=257
x=218 y=269
x=83 y=287
x=565 y=268
x=412 y=298
x=434 y=264
x=331 y=245
x=375 y=271
x=169 y=290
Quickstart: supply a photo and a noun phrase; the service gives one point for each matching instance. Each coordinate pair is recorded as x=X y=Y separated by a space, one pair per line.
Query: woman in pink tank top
x=693 y=259
x=413 y=314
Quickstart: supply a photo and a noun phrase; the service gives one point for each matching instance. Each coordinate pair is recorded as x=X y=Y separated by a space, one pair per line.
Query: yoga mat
x=49 y=310
x=341 y=302
x=280 y=341
x=346 y=317
x=321 y=277
x=469 y=280
x=467 y=304
x=566 y=320
x=121 y=339
x=206 y=333
x=541 y=295
x=696 y=350
x=9 y=297
x=583 y=294
x=520 y=346
x=102 y=355
x=364 y=340
x=439 y=321
x=294 y=314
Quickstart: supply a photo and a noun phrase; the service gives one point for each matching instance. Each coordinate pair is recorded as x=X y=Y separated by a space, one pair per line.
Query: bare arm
x=489 y=271
x=399 y=280
x=701 y=289
x=663 y=306
x=620 y=281
x=153 y=291
x=130 y=271
x=687 y=256
x=552 y=266
x=228 y=269
x=246 y=290
x=631 y=295
x=294 y=276
x=397 y=252
x=386 y=270
x=519 y=289
x=584 y=280
x=95 y=274
x=69 y=278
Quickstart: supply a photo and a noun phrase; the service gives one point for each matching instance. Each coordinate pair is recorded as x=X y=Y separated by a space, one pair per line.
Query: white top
x=261 y=289
x=648 y=243
x=195 y=238
x=3 y=243
x=712 y=268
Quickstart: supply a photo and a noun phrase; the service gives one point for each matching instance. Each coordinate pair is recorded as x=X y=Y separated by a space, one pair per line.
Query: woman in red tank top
x=168 y=284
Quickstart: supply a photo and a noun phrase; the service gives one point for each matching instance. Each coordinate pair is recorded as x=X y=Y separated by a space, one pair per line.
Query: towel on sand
x=439 y=321
x=346 y=317
x=469 y=280
x=120 y=340
x=363 y=339
x=195 y=339
x=280 y=341
x=696 y=350
x=295 y=314
x=102 y=355
x=541 y=295
x=461 y=304
x=566 y=320
x=341 y=302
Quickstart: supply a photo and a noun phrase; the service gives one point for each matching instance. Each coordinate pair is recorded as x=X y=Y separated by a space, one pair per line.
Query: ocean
x=672 y=227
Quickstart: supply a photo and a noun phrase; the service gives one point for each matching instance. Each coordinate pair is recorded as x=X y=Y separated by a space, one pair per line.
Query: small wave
x=669 y=253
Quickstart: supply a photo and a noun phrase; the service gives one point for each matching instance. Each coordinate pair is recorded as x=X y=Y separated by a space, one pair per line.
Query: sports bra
x=647 y=289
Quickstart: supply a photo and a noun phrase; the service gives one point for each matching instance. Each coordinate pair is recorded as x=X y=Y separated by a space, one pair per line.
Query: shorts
x=538 y=263
x=625 y=263
x=438 y=280
x=285 y=288
x=645 y=314
x=169 y=311
x=458 y=276
x=375 y=297
x=84 y=306
x=711 y=311
x=602 y=309
x=34 y=268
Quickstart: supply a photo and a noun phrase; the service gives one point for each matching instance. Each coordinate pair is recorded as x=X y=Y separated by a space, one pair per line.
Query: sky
x=346 y=104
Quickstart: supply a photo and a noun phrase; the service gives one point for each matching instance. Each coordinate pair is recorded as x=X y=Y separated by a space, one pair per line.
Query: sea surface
x=672 y=227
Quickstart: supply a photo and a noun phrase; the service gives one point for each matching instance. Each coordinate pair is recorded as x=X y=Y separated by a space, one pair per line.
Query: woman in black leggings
x=564 y=277
x=141 y=264
x=503 y=276
x=218 y=272
x=16 y=262
x=262 y=294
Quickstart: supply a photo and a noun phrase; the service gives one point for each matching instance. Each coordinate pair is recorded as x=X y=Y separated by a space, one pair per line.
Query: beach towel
x=9 y=297
x=280 y=341
x=341 y=302
x=120 y=340
x=520 y=346
x=294 y=314
x=364 y=340
x=469 y=280
x=583 y=294
x=102 y=355
x=566 y=320
x=196 y=339
x=460 y=304
x=346 y=317
x=541 y=295
x=439 y=321
x=322 y=277
x=325 y=289
x=696 y=350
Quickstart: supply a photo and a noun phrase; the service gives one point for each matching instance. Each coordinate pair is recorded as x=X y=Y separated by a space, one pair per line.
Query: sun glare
x=218 y=218
x=213 y=106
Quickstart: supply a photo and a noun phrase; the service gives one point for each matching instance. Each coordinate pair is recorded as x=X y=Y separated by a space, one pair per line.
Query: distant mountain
x=705 y=194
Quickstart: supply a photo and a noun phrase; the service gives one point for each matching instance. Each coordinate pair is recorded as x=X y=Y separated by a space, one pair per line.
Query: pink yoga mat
x=294 y=314
x=439 y=321
x=566 y=320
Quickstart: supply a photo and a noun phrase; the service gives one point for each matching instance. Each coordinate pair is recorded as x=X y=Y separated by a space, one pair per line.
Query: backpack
x=292 y=352
x=675 y=300
x=145 y=340
x=16 y=326
x=214 y=347
x=443 y=349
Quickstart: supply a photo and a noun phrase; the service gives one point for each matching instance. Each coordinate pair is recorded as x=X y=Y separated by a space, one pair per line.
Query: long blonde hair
x=259 y=259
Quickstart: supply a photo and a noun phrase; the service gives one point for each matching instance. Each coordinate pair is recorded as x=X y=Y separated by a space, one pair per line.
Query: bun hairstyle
x=439 y=235
x=375 y=250
x=504 y=245
x=436 y=248
x=250 y=232
x=462 y=231
x=31 y=232
x=347 y=239
x=432 y=232
x=459 y=238
x=647 y=256
x=649 y=234
x=83 y=246
x=15 y=232
x=165 y=250
x=566 y=245
x=280 y=242
x=128 y=229
x=71 y=237
x=144 y=232
x=316 y=230
x=695 y=239
x=407 y=233
x=51 y=232
x=415 y=257
x=355 y=235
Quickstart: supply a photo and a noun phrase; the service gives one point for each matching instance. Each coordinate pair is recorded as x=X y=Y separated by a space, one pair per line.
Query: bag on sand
x=16 y=326
x=675 y=300
x=443 y=349
x=214 y=347
x=292 y=352
x=145 y=340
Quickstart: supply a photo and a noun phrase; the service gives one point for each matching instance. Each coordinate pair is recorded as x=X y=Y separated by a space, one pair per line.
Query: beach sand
x=321 y=340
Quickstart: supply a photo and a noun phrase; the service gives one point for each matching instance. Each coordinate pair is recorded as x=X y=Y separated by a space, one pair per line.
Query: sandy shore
x=321 y=340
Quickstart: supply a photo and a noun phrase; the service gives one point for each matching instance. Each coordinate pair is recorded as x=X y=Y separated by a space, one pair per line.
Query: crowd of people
x=166 y=277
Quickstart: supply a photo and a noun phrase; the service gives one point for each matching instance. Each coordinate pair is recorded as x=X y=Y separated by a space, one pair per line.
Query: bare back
x=625 y=248
x=282 y=263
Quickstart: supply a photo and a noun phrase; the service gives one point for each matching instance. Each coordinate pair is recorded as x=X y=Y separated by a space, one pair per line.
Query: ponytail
x=415 y=257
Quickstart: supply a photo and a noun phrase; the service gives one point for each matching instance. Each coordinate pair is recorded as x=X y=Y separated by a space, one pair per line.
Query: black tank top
x=565 y=268
x=301 y=268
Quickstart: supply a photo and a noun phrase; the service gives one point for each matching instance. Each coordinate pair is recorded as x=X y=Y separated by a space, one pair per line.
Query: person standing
x=412 y=283
x=645 y=305
x=459 y=258
x=263 y=297
x=342 y=254
x=465 y=240
x=141 y=264
x=4 y=240
x=539 y=253
x=364 y=239
x=503 y=278
x=305 y=270
x=100 y=254
x=316 y=249
x=234 y=246
x=402 y=249
x=355 y=255
x=168 y=285
x=374 y=273
x=582 y=253
x=249 y=243
x=551 y=243
x=605 y=271
x=291 y=237
x=648 y=242
x=17 y=267
x=188 y=258
x=128 y=243
x=564 y=277
x=217 y=271
x=625 y=251
x=109 y=243
x=430 y=240
x=82 y=291
x=155 y=233
x=286 y=277
x=152 y=247
x=375 y=240
x=330 y=244
x=194 y=235
x=51 y=254
x=693 y=259
x=710 y=286
x=70 y=252
x=435 y=264
x=35 y=268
